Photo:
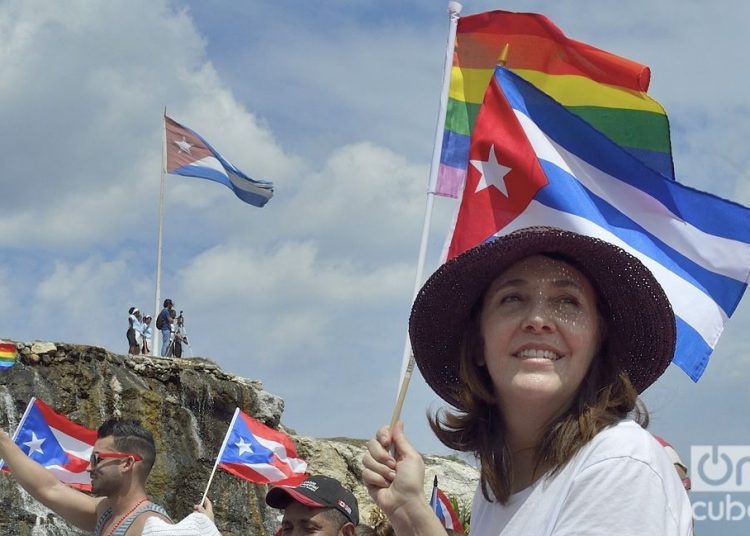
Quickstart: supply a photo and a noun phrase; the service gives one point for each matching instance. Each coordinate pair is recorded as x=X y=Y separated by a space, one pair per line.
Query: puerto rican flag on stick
x=188 y=154
x=535 y=163
x=57 y=443
x=260 y=454
x=443 y=509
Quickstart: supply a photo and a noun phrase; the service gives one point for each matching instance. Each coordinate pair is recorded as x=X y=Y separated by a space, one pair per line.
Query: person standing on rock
x=122 y=457
x=148 y=332
x=319 y=505
x=134 y=333
x=164 y=324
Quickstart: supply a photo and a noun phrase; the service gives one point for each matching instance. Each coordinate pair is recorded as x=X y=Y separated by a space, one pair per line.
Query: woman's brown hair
x=605 y=396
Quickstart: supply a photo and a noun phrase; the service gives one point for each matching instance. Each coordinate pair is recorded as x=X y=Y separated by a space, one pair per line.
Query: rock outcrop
x=187 y=404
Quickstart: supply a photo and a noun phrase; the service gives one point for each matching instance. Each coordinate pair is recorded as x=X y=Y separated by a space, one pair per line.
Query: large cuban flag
x=188 y=154
x=535 y=163
x=260 y=454
x=60 y=445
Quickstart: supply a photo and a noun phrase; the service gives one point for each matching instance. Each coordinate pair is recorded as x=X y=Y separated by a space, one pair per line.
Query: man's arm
x=74 y=506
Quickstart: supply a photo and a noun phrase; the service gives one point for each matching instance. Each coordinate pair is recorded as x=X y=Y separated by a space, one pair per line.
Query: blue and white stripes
x=216 y=168
x=696 y=244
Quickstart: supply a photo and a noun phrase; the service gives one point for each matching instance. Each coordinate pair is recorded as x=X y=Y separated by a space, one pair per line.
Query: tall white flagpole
x=221 y=452
x=155 y=346
x=407 y=363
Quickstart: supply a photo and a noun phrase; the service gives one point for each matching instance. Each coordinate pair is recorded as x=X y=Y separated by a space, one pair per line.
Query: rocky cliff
x=187 y=404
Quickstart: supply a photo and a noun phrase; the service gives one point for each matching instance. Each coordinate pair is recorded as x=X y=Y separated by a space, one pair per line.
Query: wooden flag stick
x=402 y=391
x=503 y=57
x=407 y=361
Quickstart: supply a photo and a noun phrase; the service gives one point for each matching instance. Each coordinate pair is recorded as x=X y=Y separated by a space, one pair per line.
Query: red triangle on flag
x=183 y=146
x=503 y=175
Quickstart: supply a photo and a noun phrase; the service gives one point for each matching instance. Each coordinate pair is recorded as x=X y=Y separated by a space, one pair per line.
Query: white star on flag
x=184 y=145
x=493 y=173
x=35 y=444
x=243 y=447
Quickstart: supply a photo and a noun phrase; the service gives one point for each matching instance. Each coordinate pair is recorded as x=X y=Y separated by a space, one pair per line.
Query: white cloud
x=365 y=199
x=280 y=277
x=366 y=73
x=81 y=118
x=284 y=300
x=75 y=219
x=86 y=301
x=67 y=282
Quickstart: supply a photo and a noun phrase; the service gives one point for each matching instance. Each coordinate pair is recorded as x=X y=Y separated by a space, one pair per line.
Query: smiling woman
x=541 y=340
x=540 y=328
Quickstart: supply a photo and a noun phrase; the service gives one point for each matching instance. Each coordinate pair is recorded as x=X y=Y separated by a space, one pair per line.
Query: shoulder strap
x=106 y=515
x=147 y=507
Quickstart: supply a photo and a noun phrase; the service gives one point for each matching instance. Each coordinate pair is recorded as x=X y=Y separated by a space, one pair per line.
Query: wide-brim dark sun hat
x=641 y=329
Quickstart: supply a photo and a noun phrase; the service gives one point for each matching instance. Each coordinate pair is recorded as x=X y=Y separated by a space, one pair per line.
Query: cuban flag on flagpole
x=190 y=155
x=55 y=442
x=443 y=509
x=532 y=163
x=260 y=454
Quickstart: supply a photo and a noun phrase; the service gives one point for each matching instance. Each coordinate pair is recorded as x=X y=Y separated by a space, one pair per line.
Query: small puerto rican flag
x=260 y=454
x=190 y=155
x=443 y=509
x=55 y=442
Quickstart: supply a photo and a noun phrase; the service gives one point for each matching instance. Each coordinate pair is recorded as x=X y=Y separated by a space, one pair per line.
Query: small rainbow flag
x=607 y=91
x=8 y=355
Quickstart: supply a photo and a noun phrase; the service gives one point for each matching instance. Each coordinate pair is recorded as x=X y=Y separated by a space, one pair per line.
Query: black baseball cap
x=316 y=492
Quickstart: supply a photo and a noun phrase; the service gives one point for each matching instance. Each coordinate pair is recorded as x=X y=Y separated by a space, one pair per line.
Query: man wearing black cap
x=320 y=505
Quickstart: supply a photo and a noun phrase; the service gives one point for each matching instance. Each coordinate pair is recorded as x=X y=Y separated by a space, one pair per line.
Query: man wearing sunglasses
x=121 y=460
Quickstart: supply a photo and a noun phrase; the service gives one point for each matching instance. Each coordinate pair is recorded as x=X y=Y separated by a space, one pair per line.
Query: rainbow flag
x=607 y=91
x=7 y=355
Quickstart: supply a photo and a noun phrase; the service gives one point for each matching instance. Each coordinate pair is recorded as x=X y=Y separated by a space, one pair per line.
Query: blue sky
x=335 y=101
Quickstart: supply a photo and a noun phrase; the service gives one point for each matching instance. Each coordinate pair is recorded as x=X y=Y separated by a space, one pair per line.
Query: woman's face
x=540 y=327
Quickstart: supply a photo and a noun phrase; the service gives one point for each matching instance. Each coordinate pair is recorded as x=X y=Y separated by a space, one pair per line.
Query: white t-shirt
x=621 y=483
x=196 y=524
x=136 y=325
